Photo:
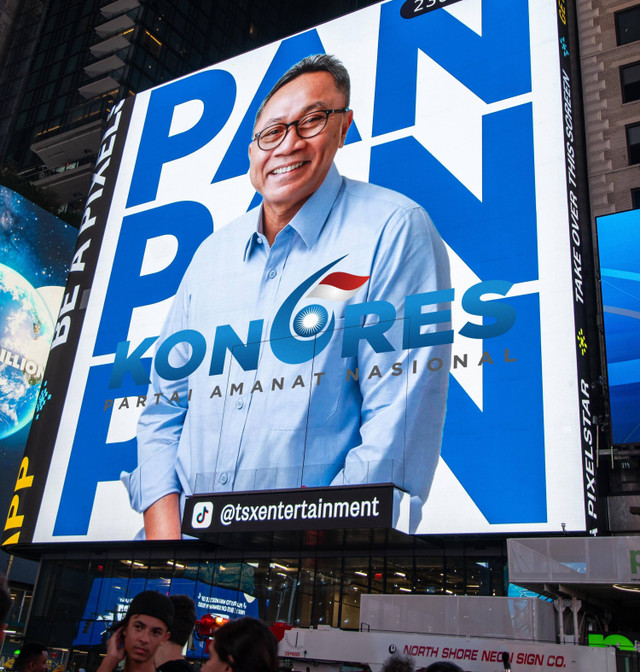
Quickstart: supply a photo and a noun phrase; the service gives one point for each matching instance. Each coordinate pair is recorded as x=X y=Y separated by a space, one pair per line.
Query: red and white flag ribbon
x=338 y=286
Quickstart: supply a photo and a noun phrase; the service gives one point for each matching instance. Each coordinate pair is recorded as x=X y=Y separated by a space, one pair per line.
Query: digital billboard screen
x=618 y=250
x=323 y=286
x=35 y=251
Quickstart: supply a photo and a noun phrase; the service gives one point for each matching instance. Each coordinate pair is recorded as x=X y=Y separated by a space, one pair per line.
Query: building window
x=635 y=199
x=630 y=82
x=628 y=25
x=633 y=143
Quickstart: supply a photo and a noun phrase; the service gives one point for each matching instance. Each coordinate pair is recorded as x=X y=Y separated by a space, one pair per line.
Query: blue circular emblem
x=311 y=320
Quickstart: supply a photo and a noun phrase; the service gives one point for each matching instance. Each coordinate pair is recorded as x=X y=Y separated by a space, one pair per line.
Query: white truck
x=472 y=632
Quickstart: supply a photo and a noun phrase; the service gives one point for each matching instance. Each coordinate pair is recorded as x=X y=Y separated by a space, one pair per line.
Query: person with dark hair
x=310 y=64
x=311 y=278
x=443 y=666
x=170 y=656
x=136 y=640
x=33 y=657
x=5 y=605
x=398 y=663
x=242 y=645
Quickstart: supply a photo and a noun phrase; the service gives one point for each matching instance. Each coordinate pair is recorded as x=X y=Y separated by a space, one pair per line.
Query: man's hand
x=115 y=651
x=162 y=518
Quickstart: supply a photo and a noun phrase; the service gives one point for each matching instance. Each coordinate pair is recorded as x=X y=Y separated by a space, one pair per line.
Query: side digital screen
x=618 y=248
x=319 y=289
x=35 y=253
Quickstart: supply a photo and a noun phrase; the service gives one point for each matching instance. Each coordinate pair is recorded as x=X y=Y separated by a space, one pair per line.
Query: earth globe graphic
x=26 y=330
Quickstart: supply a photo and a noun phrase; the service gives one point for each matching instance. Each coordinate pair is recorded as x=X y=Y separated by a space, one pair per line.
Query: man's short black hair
x=247 y=645
x=443 y=666
x=28 y=652
x=184 y=619
x=5 y=601
x=398 y=663
x=315 y=63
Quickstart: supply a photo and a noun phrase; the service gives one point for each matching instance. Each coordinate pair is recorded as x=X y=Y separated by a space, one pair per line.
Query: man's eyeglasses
x=310 y=125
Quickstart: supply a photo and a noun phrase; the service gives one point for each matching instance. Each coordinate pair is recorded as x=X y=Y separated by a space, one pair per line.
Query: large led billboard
x=35 y=251
x=618 y=250
x=394 y=291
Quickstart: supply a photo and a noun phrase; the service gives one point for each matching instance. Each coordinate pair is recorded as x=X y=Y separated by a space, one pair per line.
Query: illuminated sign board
x=618 y=249
x=35 y=251
x=369 y=342
x=368 y=507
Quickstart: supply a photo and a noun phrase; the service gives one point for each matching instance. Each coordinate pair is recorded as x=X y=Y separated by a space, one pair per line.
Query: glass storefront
x=318 y=583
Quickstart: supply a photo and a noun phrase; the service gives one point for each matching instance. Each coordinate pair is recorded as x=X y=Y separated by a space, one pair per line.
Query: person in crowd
x=443 y=666
x=242 y=645
x=33 y=657
x=137 y=639
x=170 y=656
x=398 y=663
x=5 y=605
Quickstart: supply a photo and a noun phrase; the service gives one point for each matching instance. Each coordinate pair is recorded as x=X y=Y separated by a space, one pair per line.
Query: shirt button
x=239 y=403
x=273 y=273
x=223 y=478
x=259 y=240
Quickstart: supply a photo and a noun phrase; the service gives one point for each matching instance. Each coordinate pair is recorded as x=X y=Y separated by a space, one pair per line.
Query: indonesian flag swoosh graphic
x=338 y=286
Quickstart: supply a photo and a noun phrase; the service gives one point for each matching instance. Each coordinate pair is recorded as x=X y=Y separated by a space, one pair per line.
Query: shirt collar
x=309 y=220
x=255 y=231
x=312 y=216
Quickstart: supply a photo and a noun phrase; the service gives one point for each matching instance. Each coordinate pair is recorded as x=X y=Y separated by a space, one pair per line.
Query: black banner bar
x=582 y=265
x=335 y=507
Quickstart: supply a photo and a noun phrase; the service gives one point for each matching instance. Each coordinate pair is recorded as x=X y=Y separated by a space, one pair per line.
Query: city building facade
x=609 y=38
x=316 y=577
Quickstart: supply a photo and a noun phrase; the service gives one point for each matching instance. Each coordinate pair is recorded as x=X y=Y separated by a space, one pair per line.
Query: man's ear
x=346 y=122
x=167 y=634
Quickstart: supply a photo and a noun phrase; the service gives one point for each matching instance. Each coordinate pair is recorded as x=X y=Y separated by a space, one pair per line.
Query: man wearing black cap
x=146 y=626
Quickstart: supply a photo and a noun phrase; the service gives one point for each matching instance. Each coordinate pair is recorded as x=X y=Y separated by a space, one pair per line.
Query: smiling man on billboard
x=327 y=328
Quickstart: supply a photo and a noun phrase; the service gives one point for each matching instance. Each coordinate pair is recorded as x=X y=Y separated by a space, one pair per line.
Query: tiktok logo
x=202 y=515
x=300 y=337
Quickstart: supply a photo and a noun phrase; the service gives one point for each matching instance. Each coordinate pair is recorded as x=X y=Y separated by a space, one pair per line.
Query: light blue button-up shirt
x=370 y=417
